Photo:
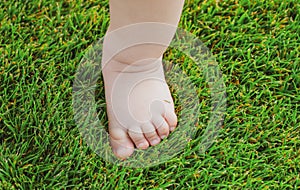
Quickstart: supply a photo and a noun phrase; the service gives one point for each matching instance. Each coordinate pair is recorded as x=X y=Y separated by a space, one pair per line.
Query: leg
x=139 y=104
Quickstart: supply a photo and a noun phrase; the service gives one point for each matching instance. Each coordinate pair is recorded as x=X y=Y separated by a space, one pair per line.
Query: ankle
x=141 y=66
x=130 y=45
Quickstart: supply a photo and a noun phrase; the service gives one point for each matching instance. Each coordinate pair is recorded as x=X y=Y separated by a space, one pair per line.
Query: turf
x=257 y=46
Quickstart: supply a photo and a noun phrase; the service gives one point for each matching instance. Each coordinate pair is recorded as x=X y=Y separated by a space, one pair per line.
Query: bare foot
x=139 y=105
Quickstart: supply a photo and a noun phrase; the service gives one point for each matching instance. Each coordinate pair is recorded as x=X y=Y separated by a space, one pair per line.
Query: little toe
x=138 y=138
x=171 y=119
x=121 y=143
x=161 y=126
x=151 y=134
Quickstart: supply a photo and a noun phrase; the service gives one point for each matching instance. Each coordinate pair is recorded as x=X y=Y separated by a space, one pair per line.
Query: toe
x=171 y=119
x=161 y=126
x=121 y=143
x=151 y=134
x=138 y=138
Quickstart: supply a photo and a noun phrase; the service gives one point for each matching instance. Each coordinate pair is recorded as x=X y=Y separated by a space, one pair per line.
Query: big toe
x=121 y=144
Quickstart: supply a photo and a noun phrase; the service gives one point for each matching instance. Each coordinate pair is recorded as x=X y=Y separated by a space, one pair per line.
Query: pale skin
x=140 y=107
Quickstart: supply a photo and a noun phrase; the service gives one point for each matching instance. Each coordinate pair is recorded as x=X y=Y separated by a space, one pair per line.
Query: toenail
x=163 y=136
x=172 y=128
x=121 y=152
x=142 y=145
x=155 y=141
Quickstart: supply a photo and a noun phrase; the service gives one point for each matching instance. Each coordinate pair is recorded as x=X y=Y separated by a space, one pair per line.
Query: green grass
x=256 y=45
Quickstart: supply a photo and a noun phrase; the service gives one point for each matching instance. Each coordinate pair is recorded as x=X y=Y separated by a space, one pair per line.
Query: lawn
x=257 y=47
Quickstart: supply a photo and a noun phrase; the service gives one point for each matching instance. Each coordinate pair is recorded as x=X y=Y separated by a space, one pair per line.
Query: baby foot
x=139 y=105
